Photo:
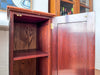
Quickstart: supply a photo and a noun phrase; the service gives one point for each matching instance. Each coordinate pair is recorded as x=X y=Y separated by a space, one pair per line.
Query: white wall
x=39 y=5
x=4 y=57
x=97 y=29
x=3 y=19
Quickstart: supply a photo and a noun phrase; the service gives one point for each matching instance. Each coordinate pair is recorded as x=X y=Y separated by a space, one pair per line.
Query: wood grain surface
x=27 y=11
x=24 y=67
x=73 y=44
x=11 y=43
x=24 y=36
x=72 y=49
x=30 y=42
x=28 y=54
x=42 y=66
x=42 y=36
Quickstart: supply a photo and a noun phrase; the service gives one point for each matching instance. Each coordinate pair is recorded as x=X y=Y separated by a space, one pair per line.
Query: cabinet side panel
x=91 y=43
x=54 y=51
x=11 y=33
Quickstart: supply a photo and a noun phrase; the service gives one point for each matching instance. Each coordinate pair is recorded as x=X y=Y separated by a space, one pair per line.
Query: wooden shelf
x=68 y=1
x=82 y=5
x=20 y=55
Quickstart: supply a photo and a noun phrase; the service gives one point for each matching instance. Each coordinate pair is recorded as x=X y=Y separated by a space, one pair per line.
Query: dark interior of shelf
x=27 y=54
x=70 y=0
x=35 y=66
x=66 y=8
x=29 y=19
x=83 y=9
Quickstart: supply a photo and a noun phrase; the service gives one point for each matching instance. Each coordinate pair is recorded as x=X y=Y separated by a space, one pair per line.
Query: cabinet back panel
x=24 y=36
x=24 y=67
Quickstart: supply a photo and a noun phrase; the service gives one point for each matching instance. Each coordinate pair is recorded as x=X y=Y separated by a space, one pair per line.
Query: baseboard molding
x=4 y=28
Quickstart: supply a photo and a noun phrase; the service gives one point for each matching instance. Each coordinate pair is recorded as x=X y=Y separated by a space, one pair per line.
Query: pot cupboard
x=42 y=44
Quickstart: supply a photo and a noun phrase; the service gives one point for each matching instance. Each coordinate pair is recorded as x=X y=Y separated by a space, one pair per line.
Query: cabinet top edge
x=28 y=11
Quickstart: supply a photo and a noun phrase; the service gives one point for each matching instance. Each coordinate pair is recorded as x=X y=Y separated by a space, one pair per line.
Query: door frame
x=90 y=18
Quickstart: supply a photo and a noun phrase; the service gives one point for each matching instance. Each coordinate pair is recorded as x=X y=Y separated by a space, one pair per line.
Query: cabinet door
x=73 y=45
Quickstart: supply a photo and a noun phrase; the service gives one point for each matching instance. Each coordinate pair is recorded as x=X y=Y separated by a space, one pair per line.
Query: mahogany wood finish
x=20 y=55
x=29 y=18
x=27 y=11
x=43 y=36
x=73 y=45
x=72 y=48
x=25 y=67
x=42 y=66
x=24 y=36
x=30 y=42
x=11 y=45
x=35 y=49
x=44 y=44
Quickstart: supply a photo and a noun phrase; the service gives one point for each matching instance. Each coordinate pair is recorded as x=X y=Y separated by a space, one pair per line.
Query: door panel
x=72 y=48
x=73 y=45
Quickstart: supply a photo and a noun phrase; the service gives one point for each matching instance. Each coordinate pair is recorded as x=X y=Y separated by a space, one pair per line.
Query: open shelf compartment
x=30 y=36
x=31 y=49
x=34 y=66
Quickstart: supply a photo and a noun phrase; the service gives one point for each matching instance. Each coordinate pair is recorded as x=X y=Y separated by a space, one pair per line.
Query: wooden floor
x=97 y=72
